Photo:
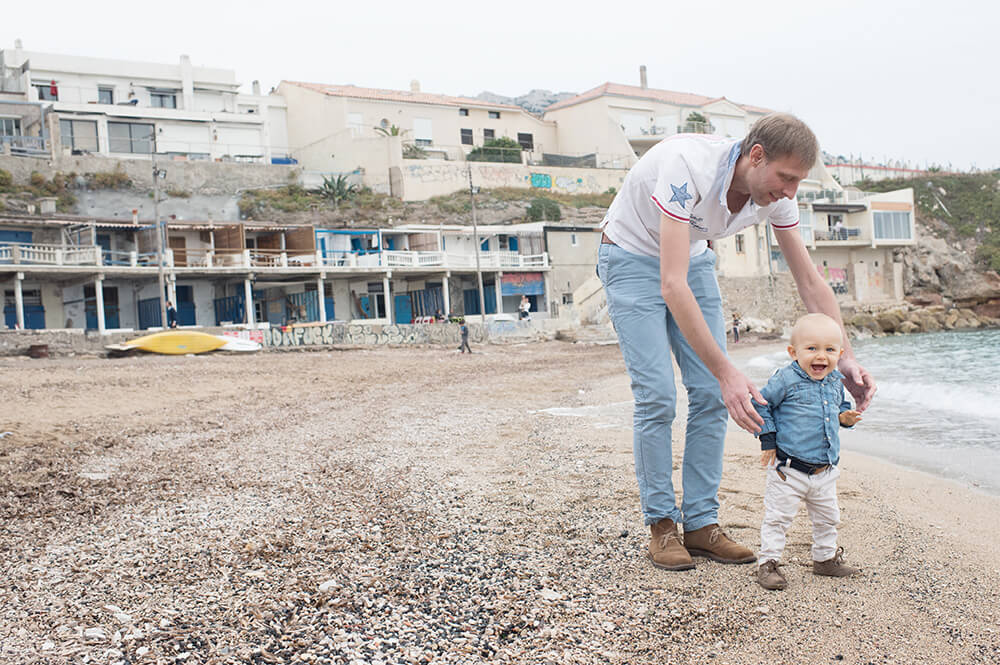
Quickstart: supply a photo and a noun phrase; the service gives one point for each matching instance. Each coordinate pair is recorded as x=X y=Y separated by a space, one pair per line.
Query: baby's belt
x=807 y=468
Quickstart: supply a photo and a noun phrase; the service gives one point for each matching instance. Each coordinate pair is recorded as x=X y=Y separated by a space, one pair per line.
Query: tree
x=503 y=149
x=391 y=130
x=338 y=189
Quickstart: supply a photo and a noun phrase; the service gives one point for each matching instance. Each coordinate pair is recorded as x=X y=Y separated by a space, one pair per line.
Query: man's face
x=817 y=349
x=773 y=179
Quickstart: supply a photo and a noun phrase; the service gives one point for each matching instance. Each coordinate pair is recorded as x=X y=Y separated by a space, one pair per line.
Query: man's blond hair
x=781 y=135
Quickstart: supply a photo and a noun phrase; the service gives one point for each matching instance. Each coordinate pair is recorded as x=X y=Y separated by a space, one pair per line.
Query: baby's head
x=816 y=345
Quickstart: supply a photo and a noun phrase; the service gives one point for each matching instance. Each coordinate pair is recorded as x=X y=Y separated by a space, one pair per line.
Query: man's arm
x=737 y=389
x=817 y=296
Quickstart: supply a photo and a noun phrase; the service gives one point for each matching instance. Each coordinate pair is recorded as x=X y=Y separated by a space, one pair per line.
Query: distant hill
x=535 y=101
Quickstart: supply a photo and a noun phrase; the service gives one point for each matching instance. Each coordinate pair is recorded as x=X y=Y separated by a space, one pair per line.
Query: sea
x=937 y=408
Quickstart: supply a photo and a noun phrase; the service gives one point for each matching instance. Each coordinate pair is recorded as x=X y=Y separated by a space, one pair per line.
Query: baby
x=805 y=408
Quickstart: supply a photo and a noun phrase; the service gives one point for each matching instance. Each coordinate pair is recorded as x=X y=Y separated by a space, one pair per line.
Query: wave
x=979 y=403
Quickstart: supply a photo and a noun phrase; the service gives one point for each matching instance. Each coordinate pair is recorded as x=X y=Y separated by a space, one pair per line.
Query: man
x=663 y=296
x=171 y=315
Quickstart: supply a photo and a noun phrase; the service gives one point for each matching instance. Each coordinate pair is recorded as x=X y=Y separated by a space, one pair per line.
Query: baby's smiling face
x=817 y=345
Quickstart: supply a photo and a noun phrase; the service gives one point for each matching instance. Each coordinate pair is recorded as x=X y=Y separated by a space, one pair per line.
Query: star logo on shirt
x=680 y=194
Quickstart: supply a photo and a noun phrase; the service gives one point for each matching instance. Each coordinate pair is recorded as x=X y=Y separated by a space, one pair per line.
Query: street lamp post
x=475 y=244
x=157 y=174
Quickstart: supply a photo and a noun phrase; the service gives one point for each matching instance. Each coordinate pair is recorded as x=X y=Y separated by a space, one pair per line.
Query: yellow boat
x=173 y=342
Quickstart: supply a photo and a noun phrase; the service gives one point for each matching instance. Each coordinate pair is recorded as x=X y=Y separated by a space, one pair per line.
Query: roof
x=405 y=96
x=652 y=94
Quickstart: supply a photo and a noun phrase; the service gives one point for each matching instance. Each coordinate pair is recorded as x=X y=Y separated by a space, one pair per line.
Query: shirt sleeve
x=773 y=392
x=784 y=215
x=674 y=193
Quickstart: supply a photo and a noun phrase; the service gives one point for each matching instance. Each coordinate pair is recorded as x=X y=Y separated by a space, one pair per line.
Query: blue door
x=471 y=300
x=401 y=308
x=328 y=303
x=34 y=317
x=149 y=313
x=110 y=307
x=185 y=306
x=512 y=243
x=104 y=240
x=15 y=237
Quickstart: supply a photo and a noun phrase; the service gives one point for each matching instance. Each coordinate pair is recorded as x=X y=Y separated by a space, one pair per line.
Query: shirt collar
x=802 y=373
x=727 y=179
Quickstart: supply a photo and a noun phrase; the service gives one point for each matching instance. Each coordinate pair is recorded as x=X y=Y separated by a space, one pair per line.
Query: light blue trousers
x=647 y=333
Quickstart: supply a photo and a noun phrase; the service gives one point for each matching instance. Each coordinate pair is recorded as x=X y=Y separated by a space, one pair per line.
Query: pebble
x=96 y=634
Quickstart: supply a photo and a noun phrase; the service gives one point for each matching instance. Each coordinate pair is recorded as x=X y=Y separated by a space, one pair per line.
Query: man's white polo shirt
x=686 y=177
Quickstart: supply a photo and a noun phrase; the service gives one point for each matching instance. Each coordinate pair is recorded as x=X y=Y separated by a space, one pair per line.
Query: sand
x=415 y=505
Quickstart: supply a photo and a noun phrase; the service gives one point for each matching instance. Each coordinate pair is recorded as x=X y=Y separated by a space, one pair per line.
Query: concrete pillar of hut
x=499 y=290
x=322 y=300
x=99 y=294
x=388 y=297
x=19 y=300
x=248 y=295
x=447 y=293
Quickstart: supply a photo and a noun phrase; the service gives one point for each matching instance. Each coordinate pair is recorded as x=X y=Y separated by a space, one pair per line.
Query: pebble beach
x=414 y=505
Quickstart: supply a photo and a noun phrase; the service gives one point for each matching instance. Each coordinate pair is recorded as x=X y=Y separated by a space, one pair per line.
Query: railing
x=846 y=234
x=26 y=145
x=694 y=127
x=276 y=258
x=56 y=255
x=414 y=259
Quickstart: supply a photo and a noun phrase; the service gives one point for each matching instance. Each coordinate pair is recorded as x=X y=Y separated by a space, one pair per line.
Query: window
x=163 y=100
x=494 y=115
x=572 y=240
x=423 y=131
x=806 y=225
x=463 y=112
x=466 y=137
x=10 y=126
x=356 y=123
x=527 y=141
x=488 y=135
x=131 y=137
x=567 y=298
x=740 y=244
x=892 y=225
x=79 y=134
x=105 y=95
x=47 y=92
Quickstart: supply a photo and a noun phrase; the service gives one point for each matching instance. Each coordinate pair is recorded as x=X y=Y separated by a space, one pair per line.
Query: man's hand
x=737 y=390
x=850 y=418
x=858 y=382
x=767 y=457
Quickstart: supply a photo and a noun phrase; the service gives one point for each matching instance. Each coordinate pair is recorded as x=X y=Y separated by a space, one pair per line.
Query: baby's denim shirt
x=804 y=413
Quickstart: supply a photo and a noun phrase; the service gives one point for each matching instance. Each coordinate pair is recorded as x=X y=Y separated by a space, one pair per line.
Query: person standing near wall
x=171 y=315
x=663 y=296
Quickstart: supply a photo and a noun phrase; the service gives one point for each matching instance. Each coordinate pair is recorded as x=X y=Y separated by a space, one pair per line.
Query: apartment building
x=75 y=105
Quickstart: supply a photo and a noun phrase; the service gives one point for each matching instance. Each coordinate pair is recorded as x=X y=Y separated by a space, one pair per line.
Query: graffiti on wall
x=541 y=180
x=835 y=277
x=361 y=334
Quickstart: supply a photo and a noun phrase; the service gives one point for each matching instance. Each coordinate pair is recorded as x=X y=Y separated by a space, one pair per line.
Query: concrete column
x=172 y=289
x=248 y=295
x=388 y=297
x=187 y=83
x=499 y=289
x=322 y=299
x=19 y=300
x=99 y=294
x=447 y=293
x=547 y=297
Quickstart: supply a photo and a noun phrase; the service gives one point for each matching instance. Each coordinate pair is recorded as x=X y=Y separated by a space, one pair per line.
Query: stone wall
x=767 y=298
x=204 y=177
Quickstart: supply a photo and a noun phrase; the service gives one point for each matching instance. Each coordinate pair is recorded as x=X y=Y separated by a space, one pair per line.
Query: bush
x=544 y=209
x=37 y=179
x=6 y=180
x=503 y=149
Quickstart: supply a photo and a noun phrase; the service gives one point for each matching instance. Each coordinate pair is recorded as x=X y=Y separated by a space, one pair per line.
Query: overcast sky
x=878 y=78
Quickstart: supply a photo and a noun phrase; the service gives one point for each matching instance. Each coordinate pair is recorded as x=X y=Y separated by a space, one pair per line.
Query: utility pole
x=157 y=174
x=475 y=242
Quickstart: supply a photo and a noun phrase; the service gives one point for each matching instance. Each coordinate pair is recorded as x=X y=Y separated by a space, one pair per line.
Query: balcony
x=848 y=235
x=695 y=127
x=69 y=256
x=31 y=146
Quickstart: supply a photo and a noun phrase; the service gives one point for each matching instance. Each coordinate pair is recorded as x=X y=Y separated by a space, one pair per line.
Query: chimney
x=642 y=77
x=135 y=216
x=17 y=44
x=414 y=85
x=256 y=88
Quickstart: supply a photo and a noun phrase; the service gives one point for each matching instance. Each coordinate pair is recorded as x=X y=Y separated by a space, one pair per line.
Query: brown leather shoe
x=665 y=549
x=712 y=541
x=835 y=566
x=769 y=577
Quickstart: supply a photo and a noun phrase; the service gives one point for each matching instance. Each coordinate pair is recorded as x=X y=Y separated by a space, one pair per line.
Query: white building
x=125 y=109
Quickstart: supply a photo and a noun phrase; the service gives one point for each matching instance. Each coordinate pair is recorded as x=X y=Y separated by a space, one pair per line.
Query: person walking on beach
x=805 y=409
x=171 y=315
x=663 y=295
x=464 y=330
x=736 y=327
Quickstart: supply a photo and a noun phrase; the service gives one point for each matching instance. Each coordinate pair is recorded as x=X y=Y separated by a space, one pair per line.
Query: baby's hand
x=767 y=457
x=850 y=418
